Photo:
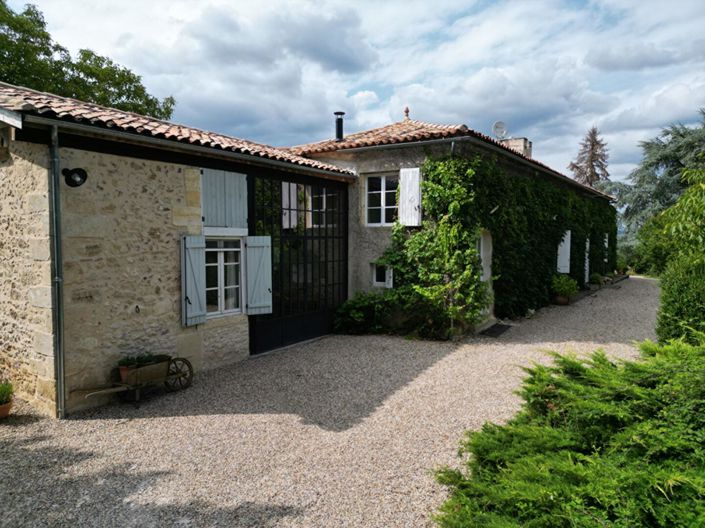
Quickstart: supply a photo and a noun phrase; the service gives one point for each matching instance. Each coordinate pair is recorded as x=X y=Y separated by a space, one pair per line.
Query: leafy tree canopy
x=591 y=164
x=30 y=57
x=657 y=182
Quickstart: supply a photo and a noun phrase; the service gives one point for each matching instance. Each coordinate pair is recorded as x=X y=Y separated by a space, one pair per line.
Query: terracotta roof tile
x=20 y=99
x=409 y=130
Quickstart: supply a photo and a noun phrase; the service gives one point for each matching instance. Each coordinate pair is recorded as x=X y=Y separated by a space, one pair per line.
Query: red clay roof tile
x=20 y=99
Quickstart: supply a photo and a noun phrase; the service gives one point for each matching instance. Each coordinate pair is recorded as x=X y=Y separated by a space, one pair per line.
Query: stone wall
x=122 y=269
x=26 y=339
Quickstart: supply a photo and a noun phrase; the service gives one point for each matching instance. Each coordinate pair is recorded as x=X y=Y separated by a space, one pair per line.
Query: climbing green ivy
x=527 y=216
x=438 y=265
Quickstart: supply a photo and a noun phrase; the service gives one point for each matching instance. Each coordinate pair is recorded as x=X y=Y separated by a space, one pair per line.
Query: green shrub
x=596 y=278
x=402 y=311
x=6 y=392
x=682 y=311
x=564 y=286
x=595 y=444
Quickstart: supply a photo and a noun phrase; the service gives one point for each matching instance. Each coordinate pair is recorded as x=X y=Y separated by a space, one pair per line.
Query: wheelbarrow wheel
x=180 y=374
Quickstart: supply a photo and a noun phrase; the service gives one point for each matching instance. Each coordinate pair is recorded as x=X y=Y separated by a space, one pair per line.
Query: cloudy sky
x=274 y=71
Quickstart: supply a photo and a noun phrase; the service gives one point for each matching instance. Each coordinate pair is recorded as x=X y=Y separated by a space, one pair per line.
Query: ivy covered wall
x=527 y=215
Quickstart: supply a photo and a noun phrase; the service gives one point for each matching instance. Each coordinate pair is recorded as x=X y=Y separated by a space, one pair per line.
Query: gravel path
x=342 y=432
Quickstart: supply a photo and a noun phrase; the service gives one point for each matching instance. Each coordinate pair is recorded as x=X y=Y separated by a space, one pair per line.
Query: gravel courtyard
x=345 y=431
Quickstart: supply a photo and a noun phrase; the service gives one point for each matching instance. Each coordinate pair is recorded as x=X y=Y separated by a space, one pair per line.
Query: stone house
x=124 y=234
x=387 y=162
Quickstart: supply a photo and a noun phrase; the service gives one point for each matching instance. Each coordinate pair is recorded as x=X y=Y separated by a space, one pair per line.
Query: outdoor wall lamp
x=75 y=177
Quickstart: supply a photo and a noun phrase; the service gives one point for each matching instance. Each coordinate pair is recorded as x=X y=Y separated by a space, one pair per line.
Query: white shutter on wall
x=224 y=201
x=563 y=265
x=587 y=260
x=410 y=197
x=607 y=243
x=389 y=277
x=259 y=275
x=193 y=280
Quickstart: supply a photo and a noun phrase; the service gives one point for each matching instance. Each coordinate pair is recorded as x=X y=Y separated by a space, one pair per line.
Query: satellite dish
x=499 y=129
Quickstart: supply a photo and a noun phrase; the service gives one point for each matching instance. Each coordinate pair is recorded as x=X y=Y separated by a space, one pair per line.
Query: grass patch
x=596 y=443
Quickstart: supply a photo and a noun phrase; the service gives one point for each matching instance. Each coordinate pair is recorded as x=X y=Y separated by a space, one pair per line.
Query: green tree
x=656 y=183
x=591 y=164
x=29 y=57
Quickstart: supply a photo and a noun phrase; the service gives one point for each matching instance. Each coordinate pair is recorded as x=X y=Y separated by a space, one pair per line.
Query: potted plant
x=6 y=392
x=143 y=368
x=563 y=287
x=595 y=281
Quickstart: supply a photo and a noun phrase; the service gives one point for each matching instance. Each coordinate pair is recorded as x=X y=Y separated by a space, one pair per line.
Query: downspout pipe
x=57 y=271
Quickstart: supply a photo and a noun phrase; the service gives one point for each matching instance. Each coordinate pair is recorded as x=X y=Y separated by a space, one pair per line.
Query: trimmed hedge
x=682 y=311
x=596 y=444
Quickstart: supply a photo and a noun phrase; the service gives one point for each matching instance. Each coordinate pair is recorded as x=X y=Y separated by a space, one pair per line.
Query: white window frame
x=388 y=276
x=325 y=192
x=220 y=288
x=383 y=199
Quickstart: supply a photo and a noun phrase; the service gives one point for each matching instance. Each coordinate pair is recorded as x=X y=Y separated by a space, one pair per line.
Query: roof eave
x=170 y=144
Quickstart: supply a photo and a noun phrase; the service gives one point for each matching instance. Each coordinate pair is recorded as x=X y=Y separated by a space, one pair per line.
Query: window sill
x=210 y=317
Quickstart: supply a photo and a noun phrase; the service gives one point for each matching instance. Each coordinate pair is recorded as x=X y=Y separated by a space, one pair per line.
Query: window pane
x=232 y=274
x=380 y=274
x=231 y=244
x=374 y=184
x=374 y=216
x=374 y=199
x=211 y=244
x=391 y=183
x=211 y=257
x=212 y=300
x=231 y=256
x=390 y=198
x=390 y=215
x=232 y=298
x=211 y=276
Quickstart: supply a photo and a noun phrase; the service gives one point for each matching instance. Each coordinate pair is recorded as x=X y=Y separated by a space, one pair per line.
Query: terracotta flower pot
x=124 y=373
x=561 y=300
x=5 y=409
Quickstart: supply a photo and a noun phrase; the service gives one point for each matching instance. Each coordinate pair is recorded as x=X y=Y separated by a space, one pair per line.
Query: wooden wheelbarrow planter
x=174 y=373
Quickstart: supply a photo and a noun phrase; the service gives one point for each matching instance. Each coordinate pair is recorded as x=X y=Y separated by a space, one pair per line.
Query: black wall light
x=75 y=177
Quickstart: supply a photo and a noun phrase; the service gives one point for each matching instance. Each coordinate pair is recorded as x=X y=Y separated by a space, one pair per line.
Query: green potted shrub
x=142 y=368
x=596 y=281
x=6 y=392
x=563 y=287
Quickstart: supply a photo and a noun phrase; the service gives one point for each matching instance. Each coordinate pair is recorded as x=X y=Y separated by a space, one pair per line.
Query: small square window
x=381 y=276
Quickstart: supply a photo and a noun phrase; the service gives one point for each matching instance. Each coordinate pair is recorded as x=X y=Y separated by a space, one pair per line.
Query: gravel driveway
x=344 y=431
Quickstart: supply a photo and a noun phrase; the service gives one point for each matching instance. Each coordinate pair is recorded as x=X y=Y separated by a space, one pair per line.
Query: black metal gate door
x=307 y=220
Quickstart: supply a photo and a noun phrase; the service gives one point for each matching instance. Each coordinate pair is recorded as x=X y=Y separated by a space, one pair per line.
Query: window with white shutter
x=193 y=280
x=563 y=264
x=224 y=202
x=259 y=274
x=410 y=197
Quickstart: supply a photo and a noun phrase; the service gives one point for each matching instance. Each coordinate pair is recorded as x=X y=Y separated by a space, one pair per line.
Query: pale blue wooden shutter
x=587 y=260
x=235 y=200
x=410 y=197
x=563 y=265
x=259 y=275
x=213 y=198
x=193 y=280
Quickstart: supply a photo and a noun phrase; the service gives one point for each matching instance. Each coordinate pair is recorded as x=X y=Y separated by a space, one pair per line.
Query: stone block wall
x=26 y=338
x=122 y=269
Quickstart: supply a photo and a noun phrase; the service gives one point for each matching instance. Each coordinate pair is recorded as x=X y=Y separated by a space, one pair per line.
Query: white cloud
x=275 y=71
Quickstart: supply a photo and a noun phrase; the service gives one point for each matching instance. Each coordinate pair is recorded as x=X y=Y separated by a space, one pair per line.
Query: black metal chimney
x=339 y=125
